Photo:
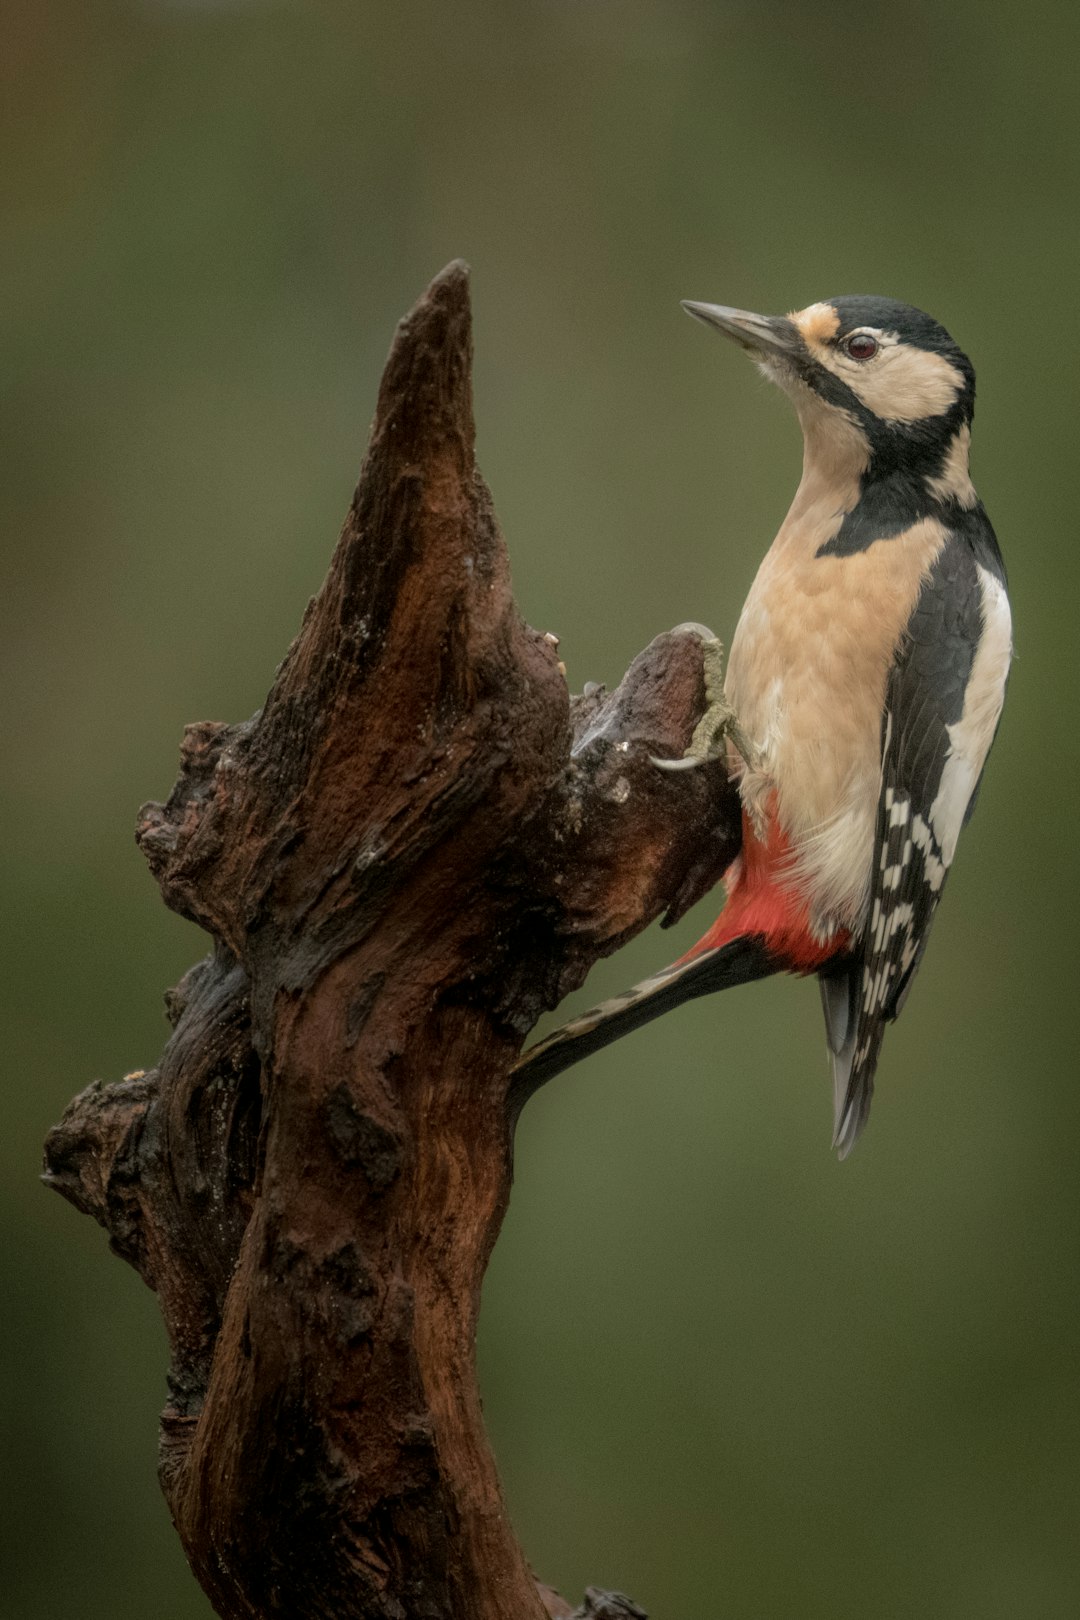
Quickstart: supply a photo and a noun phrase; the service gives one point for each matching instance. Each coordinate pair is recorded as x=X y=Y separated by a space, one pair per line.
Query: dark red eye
x=861 y=346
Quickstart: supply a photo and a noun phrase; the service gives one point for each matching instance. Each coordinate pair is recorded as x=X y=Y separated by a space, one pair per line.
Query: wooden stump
x=419 y=844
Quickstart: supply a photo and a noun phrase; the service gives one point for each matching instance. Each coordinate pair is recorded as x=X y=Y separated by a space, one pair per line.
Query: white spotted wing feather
x=942 y=707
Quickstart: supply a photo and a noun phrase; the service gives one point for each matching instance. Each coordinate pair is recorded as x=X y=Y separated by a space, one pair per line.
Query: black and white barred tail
x=741 y=961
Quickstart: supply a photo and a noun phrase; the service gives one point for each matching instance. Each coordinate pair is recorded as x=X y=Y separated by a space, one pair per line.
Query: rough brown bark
x=419 y=844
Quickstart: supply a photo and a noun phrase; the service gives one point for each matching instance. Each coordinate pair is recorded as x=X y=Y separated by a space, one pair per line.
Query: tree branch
x=418 y=845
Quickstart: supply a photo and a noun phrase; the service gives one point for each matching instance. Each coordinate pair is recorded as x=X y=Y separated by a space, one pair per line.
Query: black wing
x=924 y=696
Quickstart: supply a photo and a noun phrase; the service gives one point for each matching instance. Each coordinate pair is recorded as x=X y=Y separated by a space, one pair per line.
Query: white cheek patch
x=972 y=734
x=901 y=383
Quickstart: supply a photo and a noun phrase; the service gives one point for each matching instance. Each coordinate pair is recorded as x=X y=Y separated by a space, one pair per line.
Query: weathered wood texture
x=419 y=844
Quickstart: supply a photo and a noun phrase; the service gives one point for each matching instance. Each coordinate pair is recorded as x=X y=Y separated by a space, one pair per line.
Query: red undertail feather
x=760 y=902
x=763 y=929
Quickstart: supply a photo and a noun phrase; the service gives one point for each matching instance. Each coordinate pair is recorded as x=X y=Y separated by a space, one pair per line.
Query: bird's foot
x=719 y=723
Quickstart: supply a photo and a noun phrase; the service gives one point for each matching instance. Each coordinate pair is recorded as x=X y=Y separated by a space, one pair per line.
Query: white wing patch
x=916 y=840
x=972 y=734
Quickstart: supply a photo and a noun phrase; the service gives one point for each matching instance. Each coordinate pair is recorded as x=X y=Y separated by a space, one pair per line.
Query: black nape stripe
x=884 y=510
x=890 y=509
x=972 y=526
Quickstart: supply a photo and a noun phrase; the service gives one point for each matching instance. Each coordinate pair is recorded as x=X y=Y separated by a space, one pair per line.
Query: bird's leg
x=719 y=722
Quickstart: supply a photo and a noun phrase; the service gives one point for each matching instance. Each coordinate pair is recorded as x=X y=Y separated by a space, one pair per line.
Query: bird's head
x=871 y=378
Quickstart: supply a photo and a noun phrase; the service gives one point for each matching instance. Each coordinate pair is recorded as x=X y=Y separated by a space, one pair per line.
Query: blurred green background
x=720 y=1371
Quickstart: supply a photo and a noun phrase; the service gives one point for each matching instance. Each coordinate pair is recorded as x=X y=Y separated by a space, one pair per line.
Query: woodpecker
x=863 y=690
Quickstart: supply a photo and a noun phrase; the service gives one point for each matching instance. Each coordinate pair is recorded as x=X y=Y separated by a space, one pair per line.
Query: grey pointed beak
x=761 y=334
